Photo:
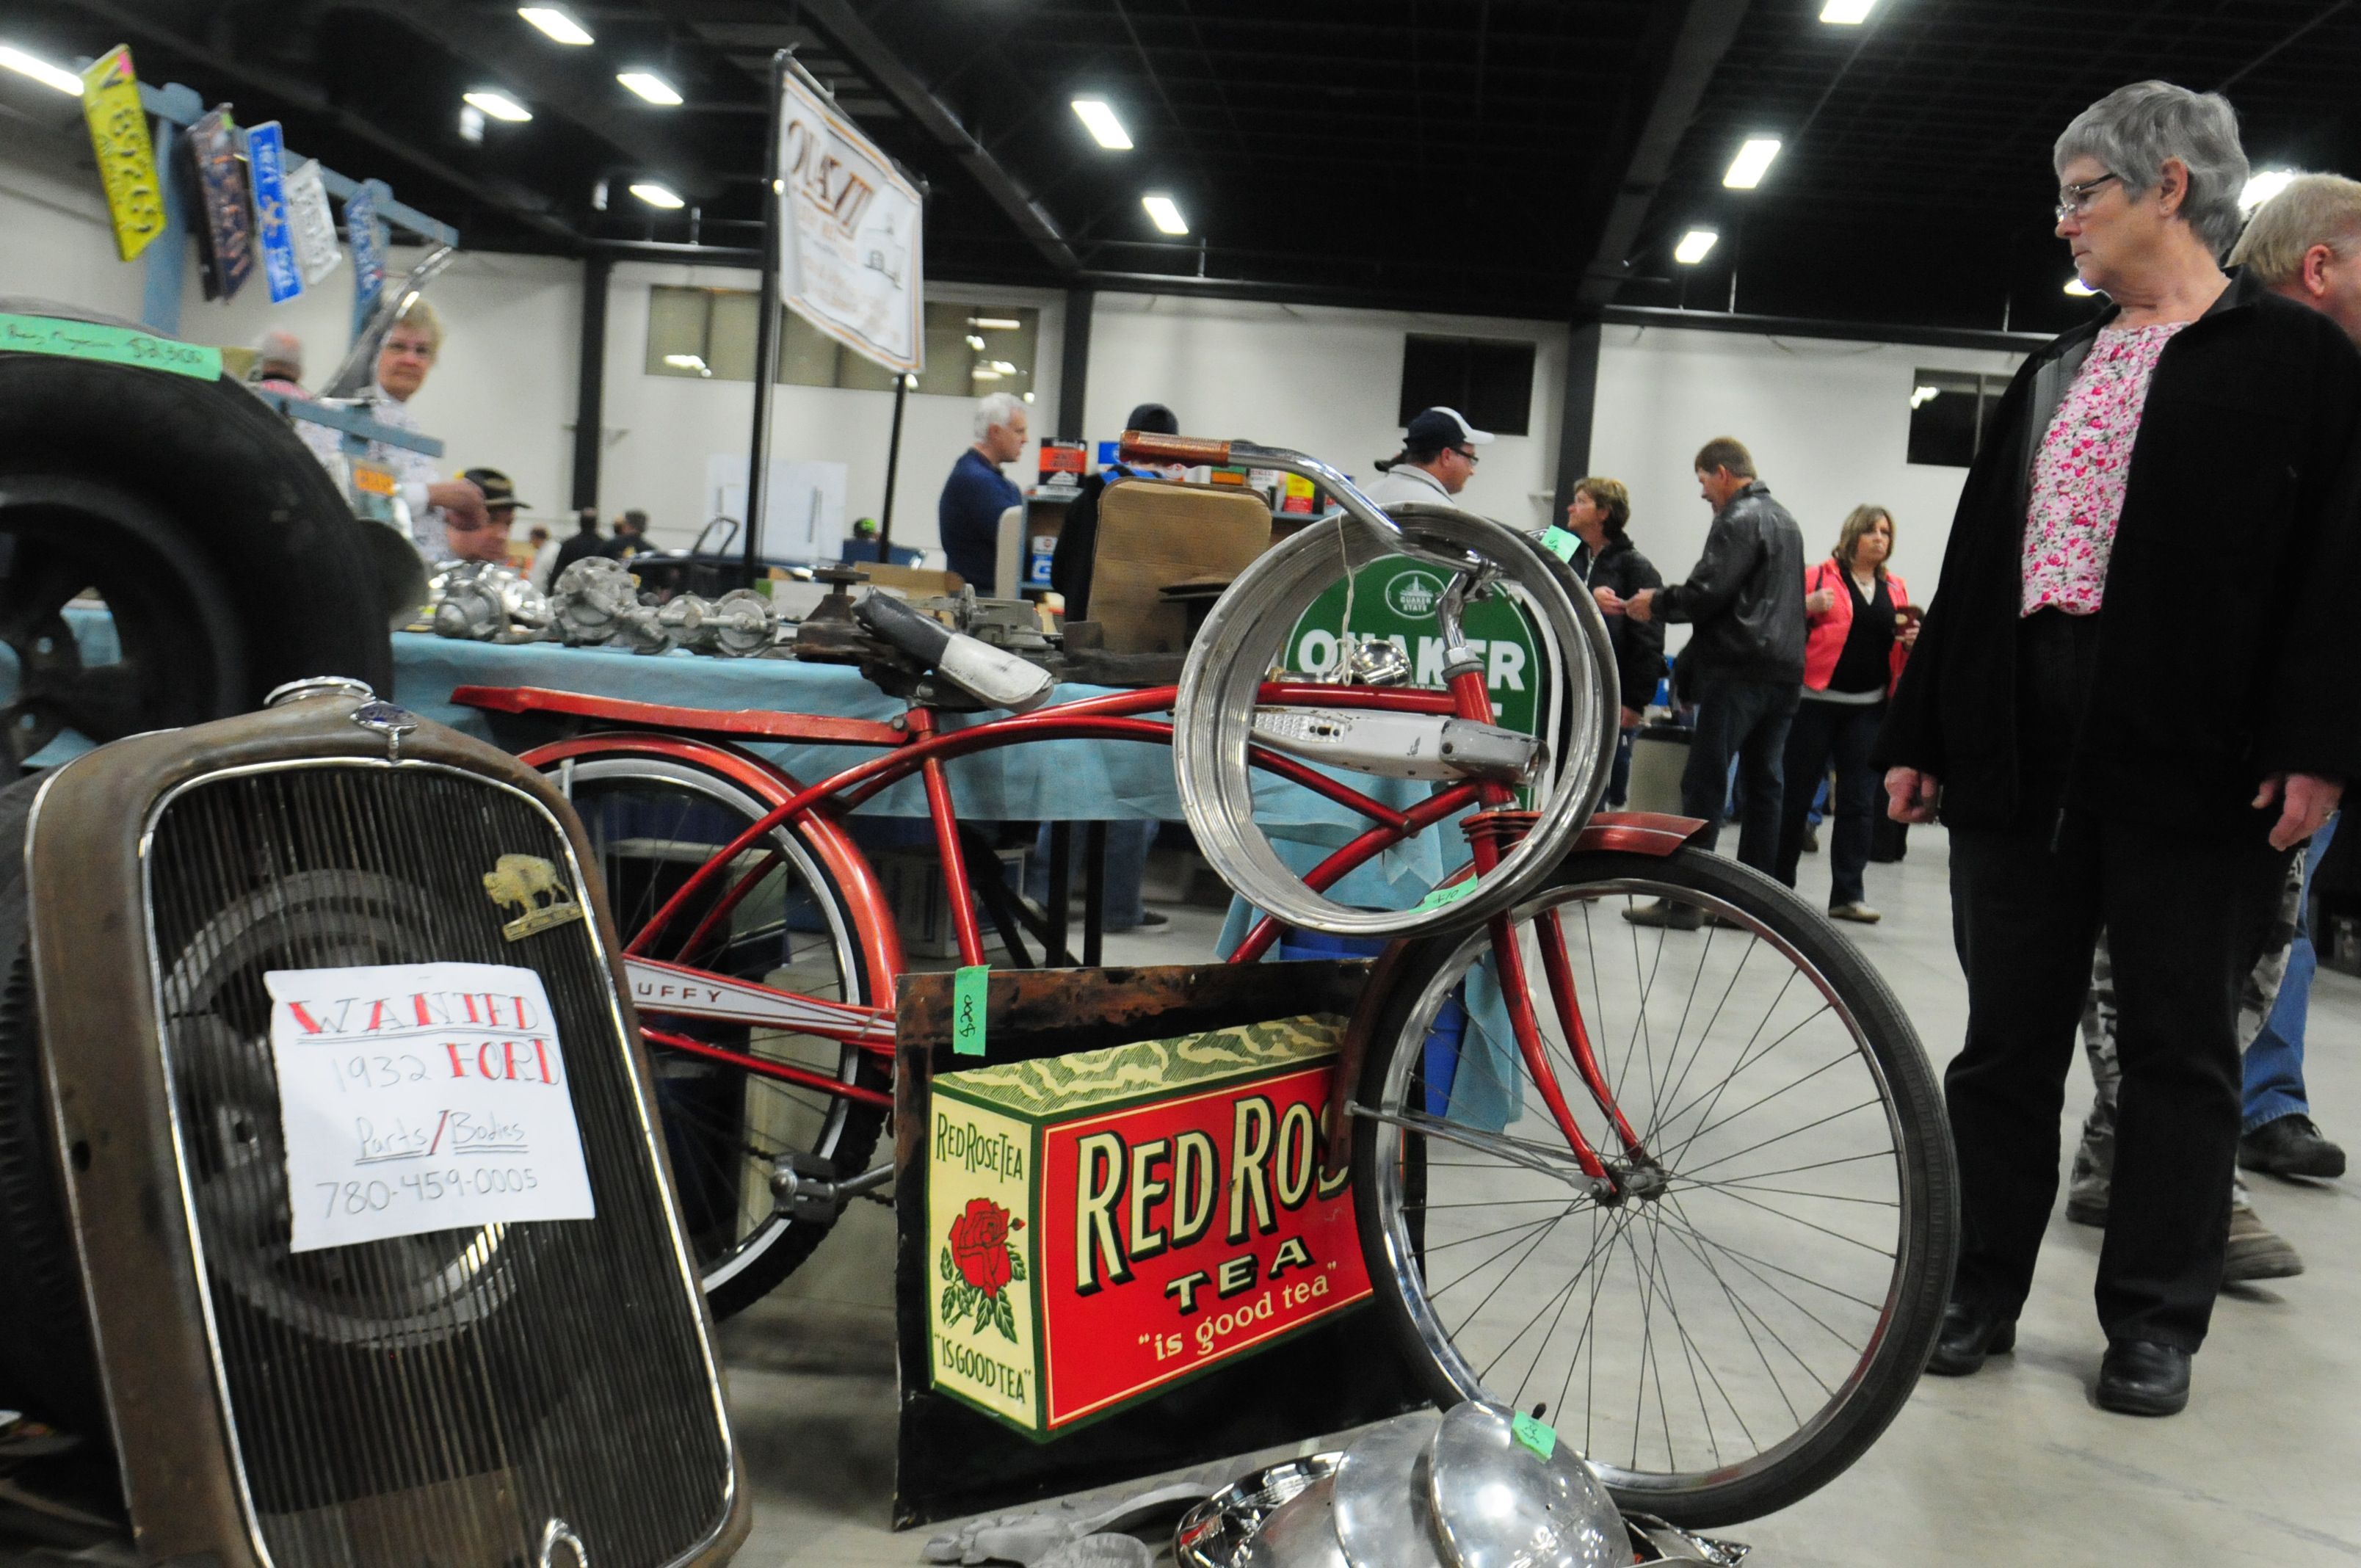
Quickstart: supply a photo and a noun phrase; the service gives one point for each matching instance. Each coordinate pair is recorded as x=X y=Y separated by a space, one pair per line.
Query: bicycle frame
x=919 y=744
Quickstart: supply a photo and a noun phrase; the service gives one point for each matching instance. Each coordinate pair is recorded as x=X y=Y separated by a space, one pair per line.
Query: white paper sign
x=314 y=229
x=422 y=1097
x=849 y=254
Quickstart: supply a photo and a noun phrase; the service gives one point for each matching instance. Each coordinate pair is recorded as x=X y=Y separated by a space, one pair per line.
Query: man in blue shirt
x=975 y=495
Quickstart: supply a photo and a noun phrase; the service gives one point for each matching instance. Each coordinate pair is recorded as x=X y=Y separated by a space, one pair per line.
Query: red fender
x=873 y=918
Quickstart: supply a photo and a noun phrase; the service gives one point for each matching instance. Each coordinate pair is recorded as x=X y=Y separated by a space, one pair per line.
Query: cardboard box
x=1104 y=1224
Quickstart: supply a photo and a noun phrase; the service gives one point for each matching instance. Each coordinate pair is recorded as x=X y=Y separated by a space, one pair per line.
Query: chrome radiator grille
x=459 y=1397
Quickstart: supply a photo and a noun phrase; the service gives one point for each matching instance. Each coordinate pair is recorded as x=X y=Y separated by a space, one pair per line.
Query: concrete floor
x=2014 y=1464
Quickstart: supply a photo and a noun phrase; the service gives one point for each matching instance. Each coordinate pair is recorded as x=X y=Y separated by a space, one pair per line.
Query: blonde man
x=2305 y=243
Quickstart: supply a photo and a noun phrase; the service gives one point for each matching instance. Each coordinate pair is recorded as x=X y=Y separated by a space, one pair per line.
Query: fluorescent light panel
x=559 y=24
x=1166 y=215
x=1694 y=246
x=1105 y=128
x=499 y=105
x=994 y=324
x=2264 y=185
x=40 y=69
x=1847 y=13
x=656 y=195
x=652 y=87
x=1747 y=169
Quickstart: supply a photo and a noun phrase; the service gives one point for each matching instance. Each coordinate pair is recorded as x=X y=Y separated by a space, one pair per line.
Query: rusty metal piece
x=829 y=635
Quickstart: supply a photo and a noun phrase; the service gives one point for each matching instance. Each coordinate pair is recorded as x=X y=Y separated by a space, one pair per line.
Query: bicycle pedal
x=804 y=1188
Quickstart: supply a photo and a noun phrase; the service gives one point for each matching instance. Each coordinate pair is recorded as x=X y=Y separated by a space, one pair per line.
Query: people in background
x=1613 y=566
x=585 y=541
x=1078 y=537
x=544 y=570
x=977 y=492
x=279 y=363
x=631 y=536
x=1856 y=639
x=489 y=543
x=2096 y=762
x=440 y=508
x=1437 y=459
x=1744 y=659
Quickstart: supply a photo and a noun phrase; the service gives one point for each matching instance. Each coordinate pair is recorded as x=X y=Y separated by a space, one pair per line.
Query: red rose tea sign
x=1107 y=1224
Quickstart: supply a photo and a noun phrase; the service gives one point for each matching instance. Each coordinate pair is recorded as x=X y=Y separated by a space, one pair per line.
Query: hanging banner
x=850 y=251
x=127 y=159
x=369 y=251
x=225 y=203
x=311 y=225
x=266 y=159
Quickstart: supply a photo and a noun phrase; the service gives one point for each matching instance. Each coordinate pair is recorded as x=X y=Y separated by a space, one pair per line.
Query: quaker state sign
x=1104 y=1224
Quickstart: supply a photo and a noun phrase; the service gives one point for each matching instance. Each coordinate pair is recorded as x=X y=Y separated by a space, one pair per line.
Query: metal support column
x=1577 y=409
x=590 y=391
x=1074 y=363
x=766 y=326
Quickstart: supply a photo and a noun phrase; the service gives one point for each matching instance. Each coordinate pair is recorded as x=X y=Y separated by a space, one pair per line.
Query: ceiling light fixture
x=41 y=71
x=1098 y=116
x=1166 y=215
x=1694 y=246
x=983 y=373
x=499 y=105
x=471 y=125
x=687 y=362
x=1004 y=366
x=652 y=87
x=1920 y=396
x=1747 y=169
x=994 y=324
x=656 y=195
x=560 y=26
x=1847 y=13
x=2080 y=289
x=2265 y=184
x=974 y=342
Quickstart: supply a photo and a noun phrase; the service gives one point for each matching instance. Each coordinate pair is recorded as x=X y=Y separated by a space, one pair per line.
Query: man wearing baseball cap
x=490 y=541
x=1438 y=458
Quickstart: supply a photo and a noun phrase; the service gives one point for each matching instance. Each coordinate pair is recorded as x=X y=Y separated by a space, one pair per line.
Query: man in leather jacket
x=1745 y=659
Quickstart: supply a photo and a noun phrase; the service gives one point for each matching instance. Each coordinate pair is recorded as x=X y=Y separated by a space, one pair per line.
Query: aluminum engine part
x=594 y=597
x=484 y=601
x=1498 y=1501
x=738 y=625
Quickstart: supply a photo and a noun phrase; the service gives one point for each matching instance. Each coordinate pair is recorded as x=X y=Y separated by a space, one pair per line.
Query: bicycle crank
x=804 y=1188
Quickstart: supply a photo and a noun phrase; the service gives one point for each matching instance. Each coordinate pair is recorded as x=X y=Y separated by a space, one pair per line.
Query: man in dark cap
x=1438 y=458
x=1078 y=539
x=489 y=543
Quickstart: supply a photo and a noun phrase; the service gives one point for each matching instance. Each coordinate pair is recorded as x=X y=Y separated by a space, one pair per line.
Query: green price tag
x=1541 y=1439
x=970 y=995
x=1451 y=895
x=1559 y=543
x=115 y=344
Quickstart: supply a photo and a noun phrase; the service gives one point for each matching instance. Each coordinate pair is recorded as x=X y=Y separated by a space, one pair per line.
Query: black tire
x=1606 y=1305
x=227 y=559
x=744 y=1247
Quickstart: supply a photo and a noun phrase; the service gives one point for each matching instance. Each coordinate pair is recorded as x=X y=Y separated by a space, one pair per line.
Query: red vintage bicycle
x=1688 y=1192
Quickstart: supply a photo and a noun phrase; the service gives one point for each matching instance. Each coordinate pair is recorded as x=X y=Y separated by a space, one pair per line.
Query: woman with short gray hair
x=2124 y=727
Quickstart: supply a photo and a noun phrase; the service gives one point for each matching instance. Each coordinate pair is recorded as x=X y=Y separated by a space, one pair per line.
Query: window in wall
x=708 y=334
x=1948 y=409
x=1489 y=381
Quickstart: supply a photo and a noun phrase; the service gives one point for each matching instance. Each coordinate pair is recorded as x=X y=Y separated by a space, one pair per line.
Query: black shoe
x=2290 y=1146
x=1969 y=1334
x=1664 y=911
x=2141 y=1377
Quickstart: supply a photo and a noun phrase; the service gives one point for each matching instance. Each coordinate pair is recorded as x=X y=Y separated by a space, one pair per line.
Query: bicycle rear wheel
x=1730 y=1343
x=651 y=822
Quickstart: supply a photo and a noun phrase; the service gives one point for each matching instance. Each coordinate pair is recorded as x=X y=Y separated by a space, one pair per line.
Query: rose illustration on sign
x=978 y=1263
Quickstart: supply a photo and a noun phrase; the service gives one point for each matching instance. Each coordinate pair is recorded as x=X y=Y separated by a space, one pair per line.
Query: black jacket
x=1745 y=595
x=2229 y=648
x=1639 y=646
x=1078 y=542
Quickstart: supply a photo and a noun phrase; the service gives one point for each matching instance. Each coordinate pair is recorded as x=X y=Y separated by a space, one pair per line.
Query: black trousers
x=1842 y=733
x=2186 y=914
x=1748 y=720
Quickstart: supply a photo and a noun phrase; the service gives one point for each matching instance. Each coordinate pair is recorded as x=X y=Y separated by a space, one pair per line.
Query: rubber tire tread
x=223 y=462
x=1929 y=1173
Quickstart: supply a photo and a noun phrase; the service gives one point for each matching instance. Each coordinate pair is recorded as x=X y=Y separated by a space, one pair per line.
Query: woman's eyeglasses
x=2075 y=200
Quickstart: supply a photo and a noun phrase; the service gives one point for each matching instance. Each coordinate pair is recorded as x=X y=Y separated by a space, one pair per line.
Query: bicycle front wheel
x=1729 y=1333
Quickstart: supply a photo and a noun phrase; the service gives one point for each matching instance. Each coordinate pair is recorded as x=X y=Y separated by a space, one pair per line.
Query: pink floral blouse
x=2079 y=472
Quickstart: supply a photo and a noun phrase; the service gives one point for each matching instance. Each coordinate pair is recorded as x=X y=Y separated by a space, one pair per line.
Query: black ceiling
x=1511 y=156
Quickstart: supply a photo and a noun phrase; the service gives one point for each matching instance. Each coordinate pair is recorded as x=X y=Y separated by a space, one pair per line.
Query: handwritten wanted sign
x=422 y=1097
x=849 y=252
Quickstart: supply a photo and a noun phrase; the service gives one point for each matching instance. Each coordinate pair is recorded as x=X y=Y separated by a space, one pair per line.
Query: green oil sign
x=1396 y=599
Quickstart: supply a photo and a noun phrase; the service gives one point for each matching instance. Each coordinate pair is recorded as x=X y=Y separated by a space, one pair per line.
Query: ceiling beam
x=1689 y=40
x=876 y=60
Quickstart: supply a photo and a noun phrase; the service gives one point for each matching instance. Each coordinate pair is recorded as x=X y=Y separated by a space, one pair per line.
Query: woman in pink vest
x=1860 y=626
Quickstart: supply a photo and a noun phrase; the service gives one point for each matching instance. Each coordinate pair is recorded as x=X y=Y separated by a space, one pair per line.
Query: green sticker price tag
x=113 y=344
x=969 y=1001
x=1450 y=894
x=1541 y=1439
x=1559 y=543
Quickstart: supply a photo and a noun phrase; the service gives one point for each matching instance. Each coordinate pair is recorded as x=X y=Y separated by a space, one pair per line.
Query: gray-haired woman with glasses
x=2121 y=730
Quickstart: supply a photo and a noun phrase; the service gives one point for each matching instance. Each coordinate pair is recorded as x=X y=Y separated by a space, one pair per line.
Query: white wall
x=659 y=429
x=1320 y=379
x=1827 y=422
